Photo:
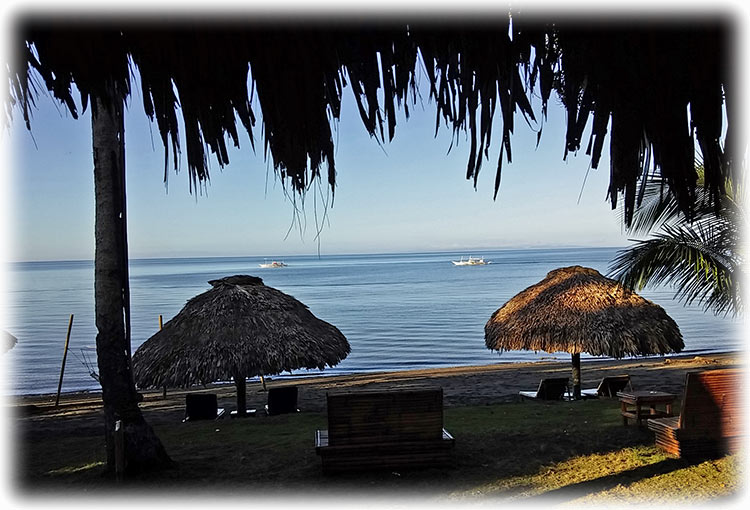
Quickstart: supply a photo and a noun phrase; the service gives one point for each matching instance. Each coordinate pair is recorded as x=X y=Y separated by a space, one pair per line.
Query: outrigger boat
x=471 y=261
x=273 y=263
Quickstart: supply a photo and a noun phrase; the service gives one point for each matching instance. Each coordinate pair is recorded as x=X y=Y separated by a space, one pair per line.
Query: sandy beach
x=473 y=385
x=61 y=448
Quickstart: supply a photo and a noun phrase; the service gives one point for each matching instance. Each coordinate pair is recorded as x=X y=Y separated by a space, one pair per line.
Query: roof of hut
x=659 y=83
x=238 y=327
x=576 y=309
x=7 y=341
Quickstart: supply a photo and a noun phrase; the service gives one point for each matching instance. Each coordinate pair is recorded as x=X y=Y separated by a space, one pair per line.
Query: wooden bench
x=391 y=429
x=710 y=421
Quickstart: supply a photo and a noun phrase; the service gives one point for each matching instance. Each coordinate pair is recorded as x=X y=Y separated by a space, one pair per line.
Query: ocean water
x=398 y=311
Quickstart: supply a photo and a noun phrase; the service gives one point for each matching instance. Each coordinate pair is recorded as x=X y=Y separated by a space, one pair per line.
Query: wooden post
x=576 y=376
x=65 y=357
x=119 y=451
x=239 y=382
x=161 y=326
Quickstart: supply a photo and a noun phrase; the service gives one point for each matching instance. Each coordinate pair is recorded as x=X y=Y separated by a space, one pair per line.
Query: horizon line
x=342 y=254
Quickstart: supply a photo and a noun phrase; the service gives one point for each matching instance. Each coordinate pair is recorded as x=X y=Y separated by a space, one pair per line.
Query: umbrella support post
x=576 y=375
x=241 y=395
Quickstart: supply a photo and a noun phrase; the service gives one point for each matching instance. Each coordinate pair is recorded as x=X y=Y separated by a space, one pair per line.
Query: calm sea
x=398 y=311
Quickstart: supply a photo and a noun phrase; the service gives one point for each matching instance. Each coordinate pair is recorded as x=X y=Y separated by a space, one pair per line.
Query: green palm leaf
x=701 y=258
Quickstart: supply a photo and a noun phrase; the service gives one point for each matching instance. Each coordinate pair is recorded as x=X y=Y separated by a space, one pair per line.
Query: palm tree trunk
x=143 y=449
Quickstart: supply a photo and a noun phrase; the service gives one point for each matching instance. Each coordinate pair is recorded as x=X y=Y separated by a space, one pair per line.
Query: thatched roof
x=576 y=309
x=8 y=341
x=240 y=327
x=640 y=75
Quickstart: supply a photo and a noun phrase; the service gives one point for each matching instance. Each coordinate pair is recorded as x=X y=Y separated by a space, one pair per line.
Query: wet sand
x=475 y=385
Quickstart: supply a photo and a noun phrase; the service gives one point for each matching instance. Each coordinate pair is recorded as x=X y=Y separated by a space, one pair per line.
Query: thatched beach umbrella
x=576 y=309
x=8 y=341
x=240 y=328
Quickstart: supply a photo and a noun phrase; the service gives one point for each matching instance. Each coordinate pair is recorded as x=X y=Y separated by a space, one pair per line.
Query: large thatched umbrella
x=576 y=309
x=238 y=329
x=8 y=341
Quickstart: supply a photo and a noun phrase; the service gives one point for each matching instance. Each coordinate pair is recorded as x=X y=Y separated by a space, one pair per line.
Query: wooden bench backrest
x=282 y=400
x=712 y=403
x=366 y=417
x=200 y=406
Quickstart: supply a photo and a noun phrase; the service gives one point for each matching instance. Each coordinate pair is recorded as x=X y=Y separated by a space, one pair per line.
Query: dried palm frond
x=639 y=75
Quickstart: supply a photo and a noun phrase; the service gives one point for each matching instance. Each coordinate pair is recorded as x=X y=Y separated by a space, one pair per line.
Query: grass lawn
x=532 y=451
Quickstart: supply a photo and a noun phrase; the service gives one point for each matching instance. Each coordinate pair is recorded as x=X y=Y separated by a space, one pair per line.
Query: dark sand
x=475 y=385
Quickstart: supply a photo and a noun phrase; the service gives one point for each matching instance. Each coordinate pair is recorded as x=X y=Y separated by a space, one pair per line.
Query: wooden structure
x=609 y=386
x=282 y=400
x=710 y=421
x=552 y=388
x=202 y=406
x=390 y=429
x=641 y=399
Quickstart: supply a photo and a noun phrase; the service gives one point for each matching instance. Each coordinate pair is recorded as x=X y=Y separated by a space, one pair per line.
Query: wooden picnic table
x=640 y=399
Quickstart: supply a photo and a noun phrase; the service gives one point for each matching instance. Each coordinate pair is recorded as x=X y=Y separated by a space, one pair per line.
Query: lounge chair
x=608 y=387
x=248 y=412
x=554 y=388
x=282 y=400
x=202 y=406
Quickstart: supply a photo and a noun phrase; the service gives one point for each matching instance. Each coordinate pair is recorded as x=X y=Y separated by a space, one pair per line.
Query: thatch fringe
x=641 y=79
x=240 y=327
x=576 y=309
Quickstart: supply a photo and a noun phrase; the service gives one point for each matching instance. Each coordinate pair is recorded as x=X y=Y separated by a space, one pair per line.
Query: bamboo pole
x=119 y=451
x=161 y=326
x=65 y=357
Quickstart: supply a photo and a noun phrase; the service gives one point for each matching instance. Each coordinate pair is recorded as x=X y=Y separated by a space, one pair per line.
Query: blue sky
x=408 y=195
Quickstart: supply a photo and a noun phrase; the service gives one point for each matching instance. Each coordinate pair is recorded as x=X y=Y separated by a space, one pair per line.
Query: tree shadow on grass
x=604 y=483
x=484 y=461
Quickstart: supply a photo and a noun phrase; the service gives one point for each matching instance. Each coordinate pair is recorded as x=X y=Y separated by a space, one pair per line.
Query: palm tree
x=143 y=449
x=701 y=258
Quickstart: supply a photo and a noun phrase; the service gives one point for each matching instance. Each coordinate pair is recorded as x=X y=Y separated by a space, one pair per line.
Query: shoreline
x=326 y=373
x=462 y=385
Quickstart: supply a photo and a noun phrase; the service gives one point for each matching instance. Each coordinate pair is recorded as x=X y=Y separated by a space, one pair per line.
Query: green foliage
x=700 y=256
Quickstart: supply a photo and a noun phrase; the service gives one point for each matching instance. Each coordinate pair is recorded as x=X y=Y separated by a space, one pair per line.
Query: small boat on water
x=274 y=263
x=471 y=261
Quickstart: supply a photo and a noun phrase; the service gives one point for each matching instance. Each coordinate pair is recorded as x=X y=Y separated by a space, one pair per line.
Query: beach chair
x=248 y=413
x=711 y=418
x=202 y=406
x=608 y=387
x=282 y=400
x=553 y=388
x=384 y=429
